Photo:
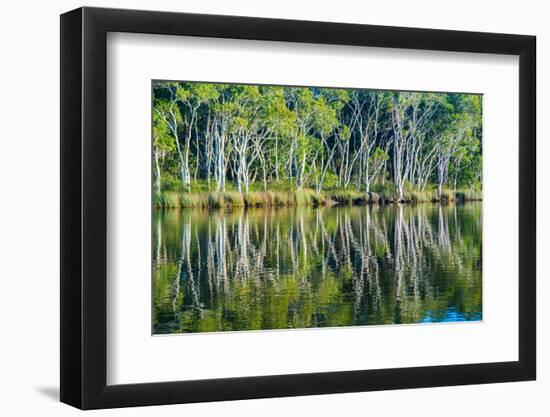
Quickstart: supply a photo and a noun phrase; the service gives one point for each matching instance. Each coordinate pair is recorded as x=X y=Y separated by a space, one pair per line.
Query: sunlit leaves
x=162 y=137
x=307 y=134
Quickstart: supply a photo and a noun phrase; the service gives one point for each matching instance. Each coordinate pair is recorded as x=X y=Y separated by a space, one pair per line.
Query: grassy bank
x=304 y=197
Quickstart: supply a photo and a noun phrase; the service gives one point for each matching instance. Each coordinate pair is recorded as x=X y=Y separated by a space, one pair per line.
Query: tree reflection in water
x=305 y=267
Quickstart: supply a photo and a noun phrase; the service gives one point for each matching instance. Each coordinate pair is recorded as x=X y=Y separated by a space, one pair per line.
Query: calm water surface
x=315 y=267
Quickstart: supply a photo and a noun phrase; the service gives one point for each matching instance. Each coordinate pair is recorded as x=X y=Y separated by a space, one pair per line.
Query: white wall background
x=29 y=219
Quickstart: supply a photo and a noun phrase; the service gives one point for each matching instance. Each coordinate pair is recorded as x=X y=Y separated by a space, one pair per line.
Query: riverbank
x=305 y=197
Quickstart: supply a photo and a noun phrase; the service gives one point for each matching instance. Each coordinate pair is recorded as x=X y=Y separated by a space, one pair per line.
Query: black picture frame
x=84 y=207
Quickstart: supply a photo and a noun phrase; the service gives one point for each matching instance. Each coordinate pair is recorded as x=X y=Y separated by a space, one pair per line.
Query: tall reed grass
x=304 y=197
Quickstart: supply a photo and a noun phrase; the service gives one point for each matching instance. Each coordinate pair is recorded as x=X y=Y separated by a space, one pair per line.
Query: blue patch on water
x=450 y=314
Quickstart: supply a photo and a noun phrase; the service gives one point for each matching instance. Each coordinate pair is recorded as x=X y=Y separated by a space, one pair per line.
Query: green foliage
x=293 y=139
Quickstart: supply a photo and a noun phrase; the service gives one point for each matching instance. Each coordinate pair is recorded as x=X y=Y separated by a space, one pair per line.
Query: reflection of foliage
x=299 y=268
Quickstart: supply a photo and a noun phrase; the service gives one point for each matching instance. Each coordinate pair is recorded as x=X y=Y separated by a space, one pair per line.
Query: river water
x=279 y=268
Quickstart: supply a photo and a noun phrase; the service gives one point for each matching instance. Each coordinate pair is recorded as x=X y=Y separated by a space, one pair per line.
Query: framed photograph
x=257 y=208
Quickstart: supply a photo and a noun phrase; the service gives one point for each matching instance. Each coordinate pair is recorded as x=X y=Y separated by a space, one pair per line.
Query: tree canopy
x=215 y=136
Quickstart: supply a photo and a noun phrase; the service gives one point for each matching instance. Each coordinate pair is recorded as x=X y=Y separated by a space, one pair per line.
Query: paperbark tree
x=411 y=116
x=314 y=137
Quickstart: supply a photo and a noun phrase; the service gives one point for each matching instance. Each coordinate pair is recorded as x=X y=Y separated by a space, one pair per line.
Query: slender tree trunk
x=367 y=179
x=158 y=172
x=277 y=160
x=186 y=165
